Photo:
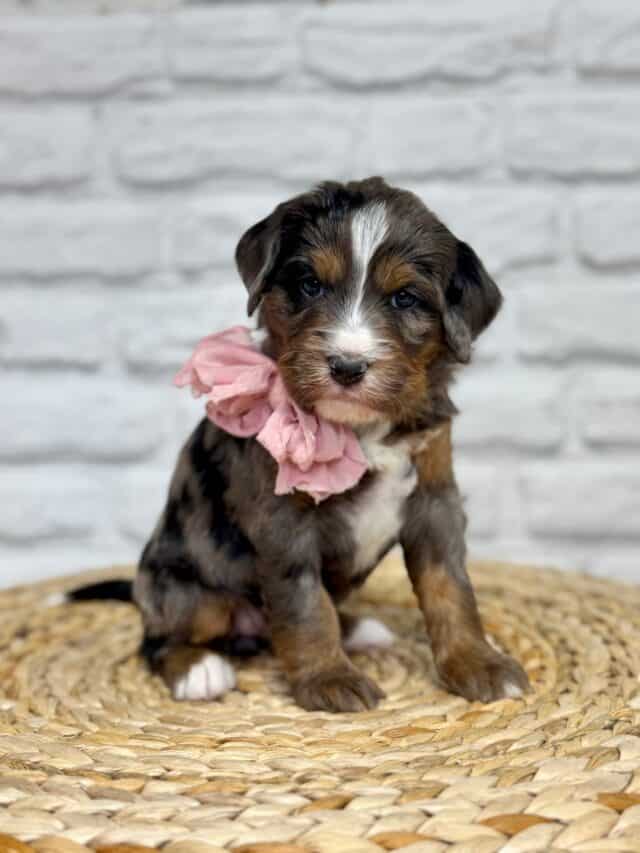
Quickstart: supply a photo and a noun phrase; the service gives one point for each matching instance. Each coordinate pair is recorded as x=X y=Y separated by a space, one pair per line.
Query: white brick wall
x=137 y=144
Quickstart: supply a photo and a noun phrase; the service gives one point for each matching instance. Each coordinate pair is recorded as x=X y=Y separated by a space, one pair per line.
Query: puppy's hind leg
x=192 y=673
x=181 y=657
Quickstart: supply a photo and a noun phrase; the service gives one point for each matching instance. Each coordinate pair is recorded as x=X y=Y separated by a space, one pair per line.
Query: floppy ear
x=472 y=301
x=256 y=254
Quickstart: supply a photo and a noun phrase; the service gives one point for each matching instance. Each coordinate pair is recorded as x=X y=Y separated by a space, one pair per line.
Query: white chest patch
x=378 y=515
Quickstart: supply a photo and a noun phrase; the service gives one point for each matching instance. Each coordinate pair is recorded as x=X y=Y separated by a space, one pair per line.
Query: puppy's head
x=368 y=299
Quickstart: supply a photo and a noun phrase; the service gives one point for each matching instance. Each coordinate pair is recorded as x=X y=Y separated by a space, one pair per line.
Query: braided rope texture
x=94 y=754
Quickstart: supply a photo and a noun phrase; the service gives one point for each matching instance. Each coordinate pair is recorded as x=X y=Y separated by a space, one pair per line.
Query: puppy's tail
x=112 y=590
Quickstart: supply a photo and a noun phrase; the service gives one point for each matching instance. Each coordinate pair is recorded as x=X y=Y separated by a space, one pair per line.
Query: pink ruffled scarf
x=246 y=396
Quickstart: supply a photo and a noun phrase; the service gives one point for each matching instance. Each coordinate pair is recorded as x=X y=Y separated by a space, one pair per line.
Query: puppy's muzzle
x=347 y=370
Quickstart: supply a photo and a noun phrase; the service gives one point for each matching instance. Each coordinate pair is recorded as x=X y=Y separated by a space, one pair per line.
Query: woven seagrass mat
x=94 y=753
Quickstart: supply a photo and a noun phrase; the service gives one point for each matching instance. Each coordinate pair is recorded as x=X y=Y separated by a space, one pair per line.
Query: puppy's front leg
x=433 y=539
x=306 y=637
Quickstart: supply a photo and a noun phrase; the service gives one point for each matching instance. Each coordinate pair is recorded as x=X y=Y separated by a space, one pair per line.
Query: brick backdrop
x=135 y=147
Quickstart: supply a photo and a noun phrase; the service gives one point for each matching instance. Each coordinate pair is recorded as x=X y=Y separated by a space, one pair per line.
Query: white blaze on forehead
x=369 y=227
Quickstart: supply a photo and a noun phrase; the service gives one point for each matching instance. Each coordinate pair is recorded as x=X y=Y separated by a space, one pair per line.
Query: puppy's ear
x=472 y=301
x=256 y=254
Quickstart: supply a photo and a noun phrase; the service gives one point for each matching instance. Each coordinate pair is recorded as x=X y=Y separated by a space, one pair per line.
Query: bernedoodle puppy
x=366 y=305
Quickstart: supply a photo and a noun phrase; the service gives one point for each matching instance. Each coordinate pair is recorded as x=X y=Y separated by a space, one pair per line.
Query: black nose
x=345 y=370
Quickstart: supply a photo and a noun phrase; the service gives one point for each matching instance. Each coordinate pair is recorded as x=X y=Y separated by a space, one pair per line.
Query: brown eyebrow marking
x=328 y=264
x=393 y=273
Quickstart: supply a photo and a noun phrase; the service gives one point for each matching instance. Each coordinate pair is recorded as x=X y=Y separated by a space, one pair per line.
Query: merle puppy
x=367 y=303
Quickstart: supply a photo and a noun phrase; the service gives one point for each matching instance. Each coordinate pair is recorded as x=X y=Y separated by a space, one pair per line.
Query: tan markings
x=419 y=442
x=328 y=264
x=434 y=463
x=465 y=661
x=313 y=645
x=392 y=273
x=449 y=610
x=321 y=675
x=211 y=619
x=415 y=368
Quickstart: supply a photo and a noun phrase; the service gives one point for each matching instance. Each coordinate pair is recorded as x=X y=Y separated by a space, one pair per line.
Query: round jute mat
x=94 y=753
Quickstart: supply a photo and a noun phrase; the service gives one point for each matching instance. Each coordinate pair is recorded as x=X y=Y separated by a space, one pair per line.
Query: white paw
x=209 y=678
x=368 y=634
x=511 y=689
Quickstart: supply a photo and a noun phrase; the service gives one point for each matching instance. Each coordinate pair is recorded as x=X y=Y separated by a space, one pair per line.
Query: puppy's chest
x=377 y=516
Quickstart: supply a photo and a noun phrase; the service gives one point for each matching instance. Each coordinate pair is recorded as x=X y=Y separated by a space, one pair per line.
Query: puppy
x=368 y=304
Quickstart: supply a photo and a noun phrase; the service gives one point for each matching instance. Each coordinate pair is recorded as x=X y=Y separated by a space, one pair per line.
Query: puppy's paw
x=368 y=634
x=341 y=689
x=483 y=674
x=207 y=678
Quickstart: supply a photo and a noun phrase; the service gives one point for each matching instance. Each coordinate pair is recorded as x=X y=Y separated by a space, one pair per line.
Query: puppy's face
x=366 y=295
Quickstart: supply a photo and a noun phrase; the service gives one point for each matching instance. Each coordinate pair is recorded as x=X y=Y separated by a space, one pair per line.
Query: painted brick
x=619 y=562
x=425 y=136
x=86 y=54
x=574 y=135
x=498 y=341
x=506 y=408
x=74 y=333
x=205 y=233
x=608 y=36
x=44 y=146
x=534 y=551
x=560 y=321
x=453 y=40
x=31 y=560
x=293 y=138
x=84 y=7
x=70 y=417
x=607 y=228
x=608 y=407
x=249 y=43
x=83 y=238
x=157 y=139
x=140 y=498
x=47 y=504
x=609 y=506
x=158 y=330
x=480 y=487
x=507 y=227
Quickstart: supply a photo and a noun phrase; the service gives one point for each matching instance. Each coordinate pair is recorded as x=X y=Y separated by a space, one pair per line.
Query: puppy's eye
x=403 y=299
x=312 y=288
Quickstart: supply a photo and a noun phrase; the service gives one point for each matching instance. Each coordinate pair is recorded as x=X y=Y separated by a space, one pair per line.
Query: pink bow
x=246 y=396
